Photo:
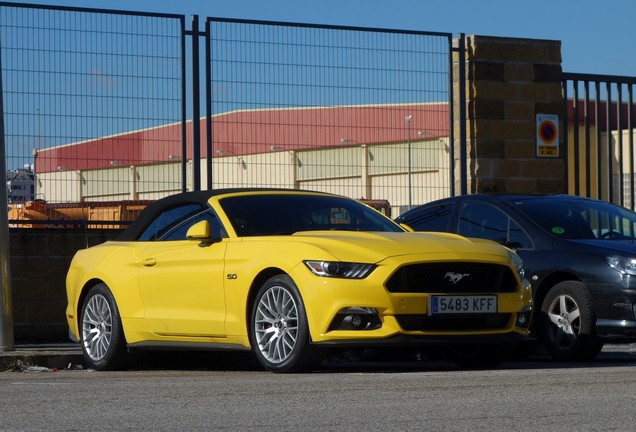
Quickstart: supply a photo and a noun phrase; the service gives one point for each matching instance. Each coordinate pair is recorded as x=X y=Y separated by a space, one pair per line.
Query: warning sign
x=547 y=135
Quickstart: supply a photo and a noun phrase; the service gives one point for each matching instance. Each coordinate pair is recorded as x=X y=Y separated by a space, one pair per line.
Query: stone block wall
x=508 y=82
x=39 y=261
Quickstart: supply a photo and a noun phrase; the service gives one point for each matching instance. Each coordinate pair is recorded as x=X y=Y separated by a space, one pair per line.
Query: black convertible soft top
x=201 y=197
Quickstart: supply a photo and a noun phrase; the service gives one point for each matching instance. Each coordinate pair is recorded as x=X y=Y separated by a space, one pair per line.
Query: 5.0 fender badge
x=454 y=278
x=232 y=276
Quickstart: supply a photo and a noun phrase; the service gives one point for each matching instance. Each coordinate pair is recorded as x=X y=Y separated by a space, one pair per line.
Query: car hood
x=606 y=246
x=376 y=246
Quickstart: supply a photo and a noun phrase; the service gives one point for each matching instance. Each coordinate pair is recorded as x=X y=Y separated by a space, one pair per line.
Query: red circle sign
x=547 y=131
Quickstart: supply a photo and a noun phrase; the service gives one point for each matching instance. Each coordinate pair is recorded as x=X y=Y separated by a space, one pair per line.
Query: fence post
x=196 y=110
x=6 y=315
x=208 y=105
x=461 y=113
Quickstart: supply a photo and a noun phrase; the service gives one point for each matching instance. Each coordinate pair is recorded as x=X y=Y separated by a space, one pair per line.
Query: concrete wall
x=39 y=261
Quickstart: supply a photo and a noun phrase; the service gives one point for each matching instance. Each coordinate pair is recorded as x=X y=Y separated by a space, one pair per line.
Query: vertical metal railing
x=6 y=311
x=208 y=107
x=461 y=113
x=599 y=135
x=196 y=105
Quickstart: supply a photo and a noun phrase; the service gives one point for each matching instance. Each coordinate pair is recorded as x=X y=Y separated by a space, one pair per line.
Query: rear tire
x=279 y=333
x=101 y=333
x=567 y=323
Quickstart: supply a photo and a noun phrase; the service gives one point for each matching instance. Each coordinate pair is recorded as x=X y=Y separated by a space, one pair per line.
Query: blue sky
x=597 y=37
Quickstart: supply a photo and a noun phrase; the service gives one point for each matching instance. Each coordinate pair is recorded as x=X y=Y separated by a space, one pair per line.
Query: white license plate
x=463 y=304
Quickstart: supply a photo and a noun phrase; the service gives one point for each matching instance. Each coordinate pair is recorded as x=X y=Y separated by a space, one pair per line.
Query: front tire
x=567 y=323
x=279 y=333
x=101 y=334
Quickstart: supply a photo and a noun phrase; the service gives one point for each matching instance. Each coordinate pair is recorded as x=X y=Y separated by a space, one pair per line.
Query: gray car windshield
x=272 y=214
x=580 y=219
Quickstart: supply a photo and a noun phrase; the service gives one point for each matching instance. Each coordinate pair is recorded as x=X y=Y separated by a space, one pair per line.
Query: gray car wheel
x=102 y=338
x=567 y=323
x=279 y=333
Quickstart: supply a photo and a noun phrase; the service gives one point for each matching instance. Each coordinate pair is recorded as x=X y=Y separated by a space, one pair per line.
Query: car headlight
x=517 y=262
x=339 y=269
x=623 y=265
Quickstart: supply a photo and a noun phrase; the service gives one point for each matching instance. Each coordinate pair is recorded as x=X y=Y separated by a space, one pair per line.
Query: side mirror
x=199 y=231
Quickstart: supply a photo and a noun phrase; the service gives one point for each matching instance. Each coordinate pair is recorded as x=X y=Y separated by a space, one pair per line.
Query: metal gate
x=95 y=109
x=598 y=129
x=362 y=112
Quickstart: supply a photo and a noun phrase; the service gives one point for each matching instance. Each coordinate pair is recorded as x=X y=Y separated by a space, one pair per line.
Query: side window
x=609 y=224
x=434 y=218
x=169 y=219
x=517 y=237
x=483 y=220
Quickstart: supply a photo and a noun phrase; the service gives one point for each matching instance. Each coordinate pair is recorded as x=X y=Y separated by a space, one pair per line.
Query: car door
x=181 y=281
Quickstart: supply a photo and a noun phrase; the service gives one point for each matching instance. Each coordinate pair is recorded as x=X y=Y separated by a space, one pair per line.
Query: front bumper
x=616 y=330
x=406 y=312
x=615 y=306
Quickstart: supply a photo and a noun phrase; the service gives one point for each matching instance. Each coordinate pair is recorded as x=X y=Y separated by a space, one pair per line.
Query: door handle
x=149 y=262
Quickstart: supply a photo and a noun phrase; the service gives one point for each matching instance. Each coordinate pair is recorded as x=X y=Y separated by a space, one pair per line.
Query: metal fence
x=356 y=111
x=600 y=113
x=95 y=110
x=76 y=83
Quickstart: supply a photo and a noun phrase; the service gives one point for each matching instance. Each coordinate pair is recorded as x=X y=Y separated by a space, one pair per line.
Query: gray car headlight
x=623 y=265
x=339 y=269
x=518 y=263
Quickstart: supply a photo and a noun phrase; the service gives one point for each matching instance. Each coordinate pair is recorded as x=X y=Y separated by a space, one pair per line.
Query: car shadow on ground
x=197 y=360
x=422 y=363
x=377 y=361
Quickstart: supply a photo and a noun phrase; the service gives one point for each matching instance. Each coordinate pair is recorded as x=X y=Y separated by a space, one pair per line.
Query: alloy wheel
x=97 y=326
x=565 y=317
x=276 y=324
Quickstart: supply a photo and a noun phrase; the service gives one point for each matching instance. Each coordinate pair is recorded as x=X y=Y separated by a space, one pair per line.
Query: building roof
x=618 y=118
x=254 y=131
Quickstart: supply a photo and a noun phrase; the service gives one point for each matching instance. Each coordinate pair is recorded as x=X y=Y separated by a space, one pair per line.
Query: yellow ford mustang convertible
x=289 y=275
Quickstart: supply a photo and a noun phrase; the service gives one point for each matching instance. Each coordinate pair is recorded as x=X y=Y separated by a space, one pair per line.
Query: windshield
x=580 y=218
x=276 y=214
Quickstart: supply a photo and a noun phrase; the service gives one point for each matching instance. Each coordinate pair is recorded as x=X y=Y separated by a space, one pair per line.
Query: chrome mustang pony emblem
x=454 y=278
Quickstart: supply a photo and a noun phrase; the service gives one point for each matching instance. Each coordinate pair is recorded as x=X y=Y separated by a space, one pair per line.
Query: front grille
x=453 y=323
x=452 y=278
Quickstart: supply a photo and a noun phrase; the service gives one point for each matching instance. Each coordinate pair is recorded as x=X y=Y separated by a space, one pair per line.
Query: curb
x=63 y=356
